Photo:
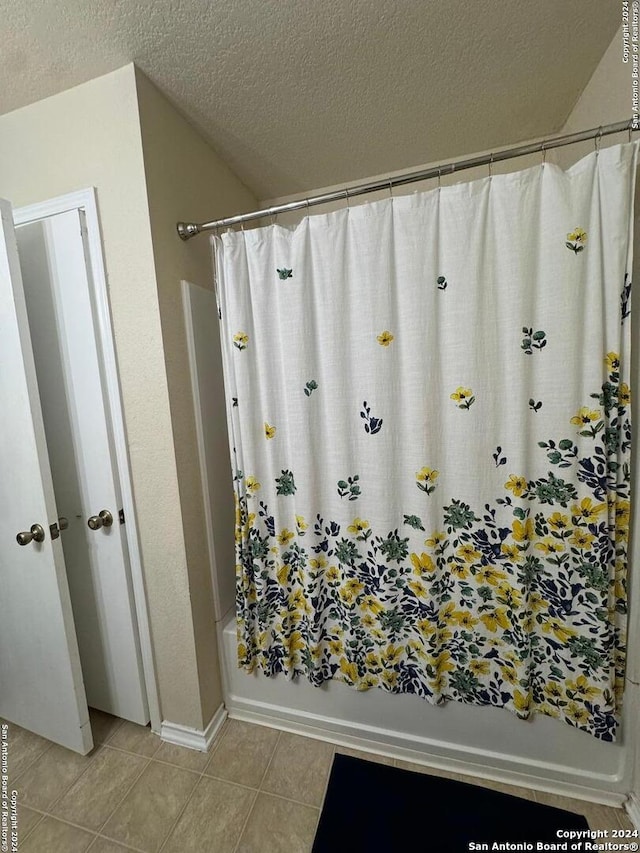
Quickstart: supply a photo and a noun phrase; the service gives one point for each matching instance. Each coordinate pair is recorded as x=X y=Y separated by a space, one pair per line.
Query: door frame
x=86 y=201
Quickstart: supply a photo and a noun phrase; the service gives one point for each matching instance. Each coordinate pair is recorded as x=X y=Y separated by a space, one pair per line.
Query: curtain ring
x=306 y=201
x=630 y=124
x=439 y=178
x=598 y=139
x=346 y=195
x=544 y=153
x=390 y=189
x=490 y=165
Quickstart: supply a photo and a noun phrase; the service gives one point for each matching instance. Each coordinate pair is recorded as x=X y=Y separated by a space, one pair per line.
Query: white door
x=58 y=291
x=41 y=686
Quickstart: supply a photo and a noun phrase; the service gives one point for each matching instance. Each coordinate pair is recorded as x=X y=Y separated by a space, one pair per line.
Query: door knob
x=36 y=534
x=102 y=519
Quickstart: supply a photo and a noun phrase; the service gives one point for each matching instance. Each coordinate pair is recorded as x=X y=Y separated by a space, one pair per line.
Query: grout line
x=69 y=786
x=22 y=837
x=270 y=762
x=123 y=797
x=246 y=821
x=255 y=799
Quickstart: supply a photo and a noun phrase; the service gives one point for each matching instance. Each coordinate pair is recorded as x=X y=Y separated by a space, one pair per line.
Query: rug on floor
x=374 y=807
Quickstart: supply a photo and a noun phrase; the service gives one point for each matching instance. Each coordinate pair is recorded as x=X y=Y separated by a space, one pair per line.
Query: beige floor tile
x=53 y=836
x=299 y=769
x=27 y=819
x=624 y=820
x=213 y=818
x=365 y=756
x=104 y=845
x=91 y=799
x=279 y=826
x=151 y=807
x=560 y=802
x=602 y=817
x=189 y=759
x=50 y=775
x=24 y=747
x=243 y=753
x=138 y=739
x=103 y=725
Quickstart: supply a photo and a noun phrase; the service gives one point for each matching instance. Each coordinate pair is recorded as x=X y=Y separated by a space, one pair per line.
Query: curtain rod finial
x=186 y=230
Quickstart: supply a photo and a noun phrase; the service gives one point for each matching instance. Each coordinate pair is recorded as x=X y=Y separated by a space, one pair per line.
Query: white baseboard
x=632 y=807
x=194 y=738
x=457 y=761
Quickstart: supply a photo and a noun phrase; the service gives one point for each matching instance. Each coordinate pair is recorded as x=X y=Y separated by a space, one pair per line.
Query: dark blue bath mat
x=376 y=808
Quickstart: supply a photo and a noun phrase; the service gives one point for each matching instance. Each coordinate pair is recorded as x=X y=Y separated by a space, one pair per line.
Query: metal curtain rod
x=186 y=230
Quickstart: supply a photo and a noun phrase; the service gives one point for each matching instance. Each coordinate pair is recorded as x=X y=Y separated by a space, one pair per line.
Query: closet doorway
x=77 y=634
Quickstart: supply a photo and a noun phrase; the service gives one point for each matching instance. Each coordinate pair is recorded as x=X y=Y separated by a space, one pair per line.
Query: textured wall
x=186 y=180
x=90 y=136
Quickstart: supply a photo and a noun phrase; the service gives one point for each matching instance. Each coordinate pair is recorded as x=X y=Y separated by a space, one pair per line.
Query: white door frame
x=85 y=200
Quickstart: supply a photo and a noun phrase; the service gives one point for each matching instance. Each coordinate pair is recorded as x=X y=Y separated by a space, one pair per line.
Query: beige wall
x=186 y=180
x=90 y=136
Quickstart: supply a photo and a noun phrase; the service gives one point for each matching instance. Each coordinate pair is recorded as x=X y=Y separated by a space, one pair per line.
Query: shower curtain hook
x=307 y=204
x=629 y=128
x=390 y=189
x=544 y=153
x=439 y=178
x=346 y=195
x=491 y=165
x=598 y=140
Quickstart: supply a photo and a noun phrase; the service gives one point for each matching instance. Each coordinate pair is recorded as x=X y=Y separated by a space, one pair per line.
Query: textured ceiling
x=298 y=94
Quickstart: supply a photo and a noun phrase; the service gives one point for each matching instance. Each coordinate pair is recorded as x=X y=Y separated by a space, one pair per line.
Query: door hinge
x=121 y=516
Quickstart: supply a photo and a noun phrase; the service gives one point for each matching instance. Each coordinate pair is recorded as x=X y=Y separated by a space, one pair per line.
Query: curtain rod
x=186 y=230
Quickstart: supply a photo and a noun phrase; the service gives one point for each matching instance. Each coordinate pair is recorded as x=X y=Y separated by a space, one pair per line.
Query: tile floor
x=259 y=790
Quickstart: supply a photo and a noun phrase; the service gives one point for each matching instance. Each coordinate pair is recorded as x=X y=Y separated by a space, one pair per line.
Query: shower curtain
x=429 y=414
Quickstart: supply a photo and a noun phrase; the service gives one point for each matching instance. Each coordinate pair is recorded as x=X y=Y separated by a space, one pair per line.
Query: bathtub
x=540 y=753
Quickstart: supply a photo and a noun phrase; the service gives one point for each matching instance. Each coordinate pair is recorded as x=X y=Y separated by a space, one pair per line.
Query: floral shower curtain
x=429 y=411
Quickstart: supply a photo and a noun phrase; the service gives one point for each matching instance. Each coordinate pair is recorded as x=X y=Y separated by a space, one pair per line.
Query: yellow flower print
x=511 y=552
x=349 y=669
x=336 y=647
x=285 y=536
x=367 y=682
x=465 y=619
x=459 y=570
x=509 y=595
x=558 y=522
x=316 y=653
x=242 y=652
x=294 y=643
x=536 y=602
x=521 y=701
x=490 y=575
x=561 y=632
x=425 y=627
x=368 y=621
x=582 y=687
x=497 y=619
x=384 y=338
x=358 y=527
x=580 y=539
x=437 y=684
x=297 y=601
x=252 y=484
x=333 y=574
x=623 y=513
x=426 y=480
x=318 y=563
x=447 y=614
x=301 y=524
x=463 y=397
x=372 y=661
x=585 y=417
x=442 y=663
x=418 y=588
x=580 y=716
x=624 y=394
x=371 y=604
x=523 y=532
x=516 y=484
x=586 y=510
x=468 y=553
x=390 y=655
x=578 y=235
x=612 y=360
x=553 y=690
x=240 y=340
x=283 y=575
x=550 y=546
x=528 y=623
x=479 y=667
x=509 y=673
x=436 y=539
x=351 y=590
x=423 y=564
x=390 y=678
x=269 y=431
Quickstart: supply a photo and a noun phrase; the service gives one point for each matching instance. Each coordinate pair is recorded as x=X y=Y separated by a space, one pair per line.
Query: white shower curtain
x=429 y=411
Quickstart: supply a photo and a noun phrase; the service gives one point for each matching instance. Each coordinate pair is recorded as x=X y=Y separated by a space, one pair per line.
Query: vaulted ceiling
x=300 y=94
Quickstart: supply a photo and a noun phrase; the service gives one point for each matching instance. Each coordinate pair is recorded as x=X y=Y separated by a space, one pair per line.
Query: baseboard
x=194 y=738
x=457 y=761
x=632 y=807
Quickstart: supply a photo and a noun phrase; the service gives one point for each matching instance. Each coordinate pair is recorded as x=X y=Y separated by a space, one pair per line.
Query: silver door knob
x=36 y=534
x=102 y=519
